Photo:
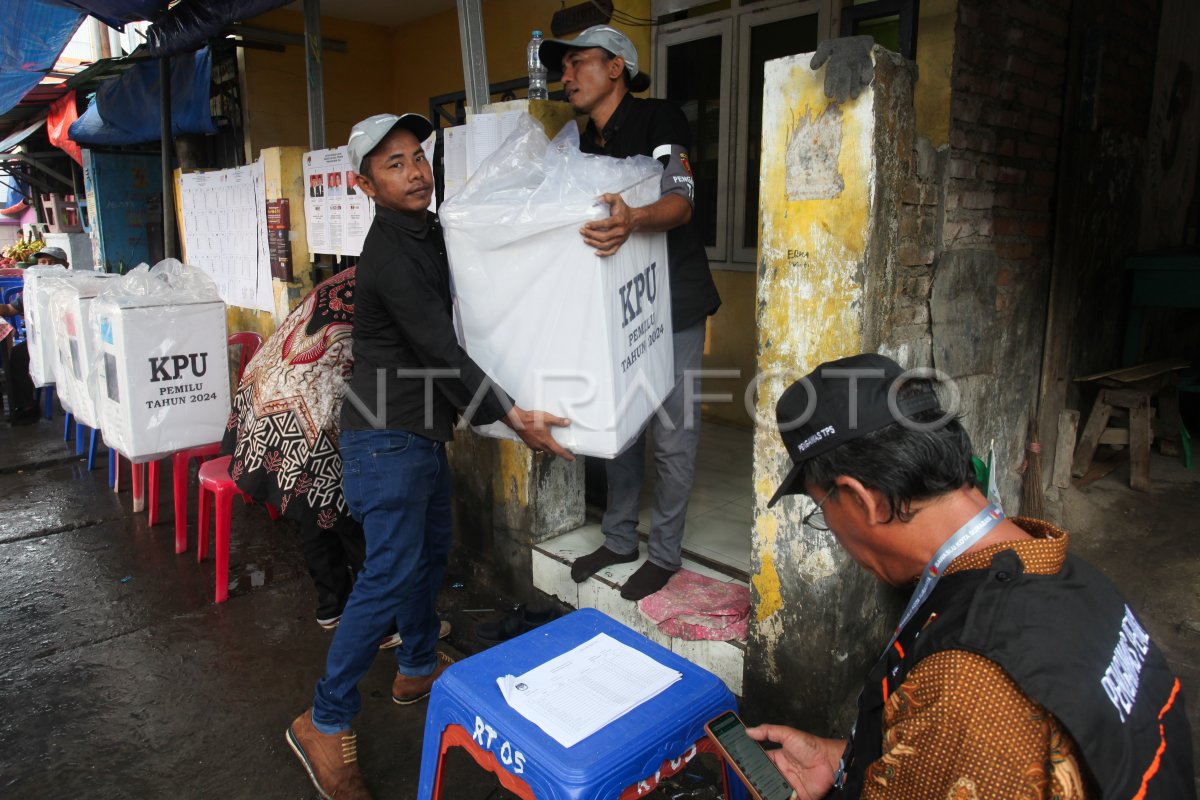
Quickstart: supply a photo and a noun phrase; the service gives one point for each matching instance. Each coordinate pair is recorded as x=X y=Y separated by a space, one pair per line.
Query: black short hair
x=906 y=463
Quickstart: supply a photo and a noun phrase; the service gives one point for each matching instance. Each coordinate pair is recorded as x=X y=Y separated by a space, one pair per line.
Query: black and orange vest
x=1072 y=644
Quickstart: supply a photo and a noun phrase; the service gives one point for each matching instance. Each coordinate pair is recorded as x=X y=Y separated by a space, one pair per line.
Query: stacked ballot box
x=163 y=380
x=39 y=329
x=75 y=346
x=564 y=330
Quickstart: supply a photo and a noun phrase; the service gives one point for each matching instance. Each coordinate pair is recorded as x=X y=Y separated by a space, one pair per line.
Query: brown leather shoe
x=331 y=759
x=406 y=690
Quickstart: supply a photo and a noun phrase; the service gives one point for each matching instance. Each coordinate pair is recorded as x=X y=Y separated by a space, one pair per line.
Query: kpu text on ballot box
x=38 y=326
x=163 y=370
x=561 y=329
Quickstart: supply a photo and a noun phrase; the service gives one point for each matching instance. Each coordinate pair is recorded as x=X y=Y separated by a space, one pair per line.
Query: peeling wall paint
x=817 y=615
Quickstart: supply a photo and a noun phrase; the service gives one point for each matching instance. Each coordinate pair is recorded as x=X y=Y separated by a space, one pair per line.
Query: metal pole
x=316 y=79
x=474 y=53
x=168 y=166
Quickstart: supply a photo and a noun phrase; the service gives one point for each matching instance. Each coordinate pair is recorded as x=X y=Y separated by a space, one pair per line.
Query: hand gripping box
x=558 y=327
x=38 y=328
x=75 y=341
x=163 y=377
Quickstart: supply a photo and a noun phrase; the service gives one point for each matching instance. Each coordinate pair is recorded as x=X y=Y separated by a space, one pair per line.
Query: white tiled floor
x=721 y=509
x=719 y=521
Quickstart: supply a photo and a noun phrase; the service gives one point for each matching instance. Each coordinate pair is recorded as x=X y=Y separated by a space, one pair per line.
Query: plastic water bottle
x=537 y=70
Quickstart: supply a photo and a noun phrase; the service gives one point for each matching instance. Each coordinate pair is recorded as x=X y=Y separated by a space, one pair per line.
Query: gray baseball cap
x=366 y=135
x=602 y=36
x=52 y=252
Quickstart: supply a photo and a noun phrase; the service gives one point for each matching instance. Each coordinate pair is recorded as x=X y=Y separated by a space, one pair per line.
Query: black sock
x=587 y=566
x=648 y=579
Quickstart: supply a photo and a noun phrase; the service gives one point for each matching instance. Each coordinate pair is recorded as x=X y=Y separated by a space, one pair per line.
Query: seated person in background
x=19 y=386
x=1017 y=670
x=283 y=436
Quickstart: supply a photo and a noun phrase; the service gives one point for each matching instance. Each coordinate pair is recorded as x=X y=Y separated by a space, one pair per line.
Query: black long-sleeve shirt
x=657 y=128
x=404 y=330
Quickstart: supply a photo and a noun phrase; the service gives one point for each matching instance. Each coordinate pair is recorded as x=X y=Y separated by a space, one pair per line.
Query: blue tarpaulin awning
x=115 y=13
x=127 y=110
x=32 y=35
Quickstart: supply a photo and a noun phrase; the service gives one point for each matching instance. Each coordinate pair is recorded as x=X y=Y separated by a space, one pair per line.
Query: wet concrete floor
x=120 y=678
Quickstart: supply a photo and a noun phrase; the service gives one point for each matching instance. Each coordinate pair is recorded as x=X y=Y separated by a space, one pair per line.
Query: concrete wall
x=829 y=285
x=388 y=68
x=358 y=83
x=427 y=61
x=952 y=268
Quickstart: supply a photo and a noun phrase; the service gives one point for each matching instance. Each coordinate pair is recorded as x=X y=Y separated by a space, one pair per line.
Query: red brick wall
x=1006 y=107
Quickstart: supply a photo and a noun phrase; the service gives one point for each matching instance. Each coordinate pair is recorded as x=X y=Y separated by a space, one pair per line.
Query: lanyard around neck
x=975 y=529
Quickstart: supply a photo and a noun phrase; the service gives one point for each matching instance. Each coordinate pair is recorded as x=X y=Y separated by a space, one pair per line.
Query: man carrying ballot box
x=599 y=71
x=410 y=381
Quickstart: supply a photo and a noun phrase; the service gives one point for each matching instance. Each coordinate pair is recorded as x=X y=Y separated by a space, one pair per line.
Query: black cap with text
x=840 y=401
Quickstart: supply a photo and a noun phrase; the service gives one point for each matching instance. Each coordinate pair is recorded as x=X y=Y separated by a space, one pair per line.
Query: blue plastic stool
x=67 y=417
x=44 y=397
x=48 y=400
x=91 y=451
x=624 y=759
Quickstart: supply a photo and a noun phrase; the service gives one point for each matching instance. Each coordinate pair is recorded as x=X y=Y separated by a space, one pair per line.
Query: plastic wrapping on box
x=560 y=328
x=68 y=313
x=38 y=328
x=162 y=379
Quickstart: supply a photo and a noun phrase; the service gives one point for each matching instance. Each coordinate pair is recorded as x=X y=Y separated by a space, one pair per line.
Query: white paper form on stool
x=572 y=696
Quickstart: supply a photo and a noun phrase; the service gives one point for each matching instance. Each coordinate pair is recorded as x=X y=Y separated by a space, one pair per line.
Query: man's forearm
x=667 y=213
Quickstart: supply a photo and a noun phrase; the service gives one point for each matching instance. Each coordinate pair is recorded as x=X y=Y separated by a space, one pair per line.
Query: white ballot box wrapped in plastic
x=558 y=327
x=162 y=370
x=38 y=328
x=68 y=313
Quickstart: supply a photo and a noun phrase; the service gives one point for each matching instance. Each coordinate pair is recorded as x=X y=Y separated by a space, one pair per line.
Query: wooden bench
x=1129 y=393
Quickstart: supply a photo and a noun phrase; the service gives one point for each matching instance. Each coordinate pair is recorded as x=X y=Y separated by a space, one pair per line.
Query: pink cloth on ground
x=693 y=606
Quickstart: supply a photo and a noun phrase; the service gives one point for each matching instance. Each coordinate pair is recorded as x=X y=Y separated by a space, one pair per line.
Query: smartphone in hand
x=749 y=760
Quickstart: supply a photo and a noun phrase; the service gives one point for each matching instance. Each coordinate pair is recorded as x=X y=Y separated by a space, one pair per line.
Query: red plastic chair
x=215 y=480
x=250 y=342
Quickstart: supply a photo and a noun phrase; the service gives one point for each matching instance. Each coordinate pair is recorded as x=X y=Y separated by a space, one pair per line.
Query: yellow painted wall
x=388 y=69
x=358 y=83
x=730 y=344
x=428 y=62
x=935 y=57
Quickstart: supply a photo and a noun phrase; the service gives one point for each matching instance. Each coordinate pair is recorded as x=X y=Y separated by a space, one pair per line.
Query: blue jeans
x=397 y=485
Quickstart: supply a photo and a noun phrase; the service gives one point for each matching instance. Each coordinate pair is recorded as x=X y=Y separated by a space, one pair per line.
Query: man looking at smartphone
x=1017 y=670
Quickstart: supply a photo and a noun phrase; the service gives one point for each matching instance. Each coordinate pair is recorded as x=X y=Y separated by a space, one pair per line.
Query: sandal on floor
x=518 y=621
x=500 y=630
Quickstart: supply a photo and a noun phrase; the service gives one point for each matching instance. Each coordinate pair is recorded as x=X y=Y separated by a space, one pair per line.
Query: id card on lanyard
x=962 y=540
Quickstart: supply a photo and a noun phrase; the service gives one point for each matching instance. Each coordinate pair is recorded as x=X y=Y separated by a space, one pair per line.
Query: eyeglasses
x=815 y=519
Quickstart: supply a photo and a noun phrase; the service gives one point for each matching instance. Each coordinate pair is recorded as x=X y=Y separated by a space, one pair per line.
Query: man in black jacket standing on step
x=600 y=70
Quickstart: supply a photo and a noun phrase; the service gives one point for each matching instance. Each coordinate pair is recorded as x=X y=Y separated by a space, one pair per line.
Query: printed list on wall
x=225 y=232
x=336 y=211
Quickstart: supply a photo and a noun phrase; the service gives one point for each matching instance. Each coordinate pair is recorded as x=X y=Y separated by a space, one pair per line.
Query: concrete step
x=552 y=575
